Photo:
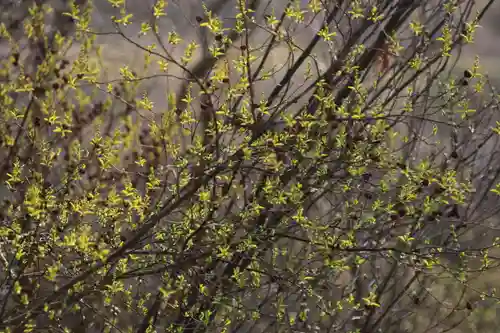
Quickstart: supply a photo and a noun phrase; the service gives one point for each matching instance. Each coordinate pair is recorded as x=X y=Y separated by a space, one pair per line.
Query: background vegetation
x=248 y=166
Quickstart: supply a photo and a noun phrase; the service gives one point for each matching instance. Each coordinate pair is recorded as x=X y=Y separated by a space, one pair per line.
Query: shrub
x=309 y=166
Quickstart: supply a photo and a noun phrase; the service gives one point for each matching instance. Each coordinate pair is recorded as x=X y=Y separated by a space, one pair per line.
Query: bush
x=314 y=166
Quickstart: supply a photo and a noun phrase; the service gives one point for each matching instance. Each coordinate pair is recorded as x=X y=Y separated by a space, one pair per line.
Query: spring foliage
x=267 y=190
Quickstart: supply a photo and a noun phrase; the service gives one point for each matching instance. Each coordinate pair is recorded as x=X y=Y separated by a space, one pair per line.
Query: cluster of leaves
x=338 y=200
